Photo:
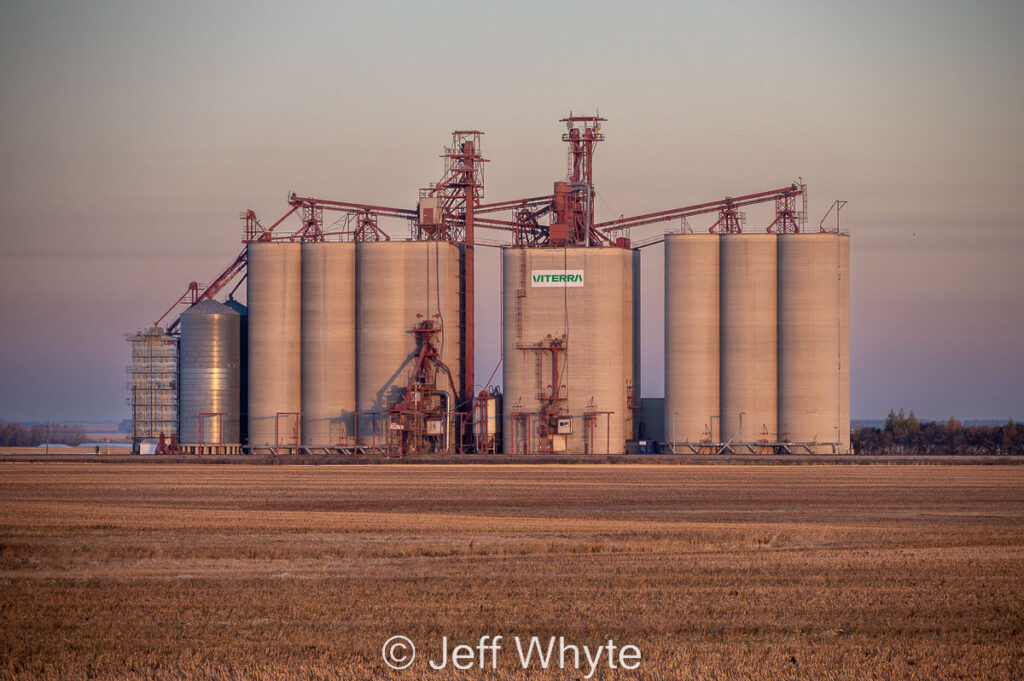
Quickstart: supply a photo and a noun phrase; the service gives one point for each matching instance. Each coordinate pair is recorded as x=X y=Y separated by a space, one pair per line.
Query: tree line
x=904 y=434
x=17 y=435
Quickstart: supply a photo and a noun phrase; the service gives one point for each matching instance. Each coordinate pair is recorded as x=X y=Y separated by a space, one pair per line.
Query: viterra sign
x=557 y=278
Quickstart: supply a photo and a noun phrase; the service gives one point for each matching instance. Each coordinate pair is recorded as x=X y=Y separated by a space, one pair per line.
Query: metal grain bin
x=210 y=368
x=243 y=335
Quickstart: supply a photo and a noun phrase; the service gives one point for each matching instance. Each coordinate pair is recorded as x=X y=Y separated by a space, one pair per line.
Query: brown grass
x=811 y=572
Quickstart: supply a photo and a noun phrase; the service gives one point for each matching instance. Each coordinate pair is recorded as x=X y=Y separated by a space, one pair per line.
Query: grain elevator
x=359 y=340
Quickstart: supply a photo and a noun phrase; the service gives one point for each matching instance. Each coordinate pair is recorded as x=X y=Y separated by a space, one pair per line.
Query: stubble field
x=252 y=572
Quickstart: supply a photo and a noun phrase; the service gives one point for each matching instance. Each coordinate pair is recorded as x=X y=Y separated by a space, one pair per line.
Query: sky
x=132 y=134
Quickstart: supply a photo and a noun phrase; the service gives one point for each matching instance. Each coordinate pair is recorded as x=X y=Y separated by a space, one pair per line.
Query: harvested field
x=776 y=572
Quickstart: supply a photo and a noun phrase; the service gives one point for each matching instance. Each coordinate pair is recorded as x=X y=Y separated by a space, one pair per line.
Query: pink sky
x=132 y=136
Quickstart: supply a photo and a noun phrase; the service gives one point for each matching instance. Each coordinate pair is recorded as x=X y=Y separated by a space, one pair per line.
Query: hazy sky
x=133 y=133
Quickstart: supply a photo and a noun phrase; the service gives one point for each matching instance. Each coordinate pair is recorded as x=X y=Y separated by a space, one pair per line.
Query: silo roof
x=209 y=307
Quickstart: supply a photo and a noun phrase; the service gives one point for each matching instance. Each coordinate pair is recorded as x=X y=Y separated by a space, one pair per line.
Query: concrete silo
x=631 y=369
x=844 y=344
x=401 y=285
x=275 y=347
x=569 y=320
x=328 y=343
x=749 y=340
x=209 y=384
x=809 y=340
x=692 y=352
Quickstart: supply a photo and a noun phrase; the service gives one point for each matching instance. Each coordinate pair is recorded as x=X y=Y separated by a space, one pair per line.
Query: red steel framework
x=451 y=210
x=836 y=206
x=447 y=211
x=552 y=399
x=582 y=133
x=423 y=419
x=730 y=218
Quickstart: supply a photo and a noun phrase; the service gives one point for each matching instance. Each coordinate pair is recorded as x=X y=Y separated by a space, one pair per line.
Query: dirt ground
x=134 y=571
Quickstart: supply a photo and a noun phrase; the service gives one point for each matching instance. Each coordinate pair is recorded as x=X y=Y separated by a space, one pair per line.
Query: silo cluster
x=570 y=368
x=756 y=345
x=757 y=342
x=330 y=335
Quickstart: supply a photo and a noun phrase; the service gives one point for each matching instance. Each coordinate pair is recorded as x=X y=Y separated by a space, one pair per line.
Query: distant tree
x=890 y=422
x=903 y=430
x=1010 y=438
x=956 y=437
